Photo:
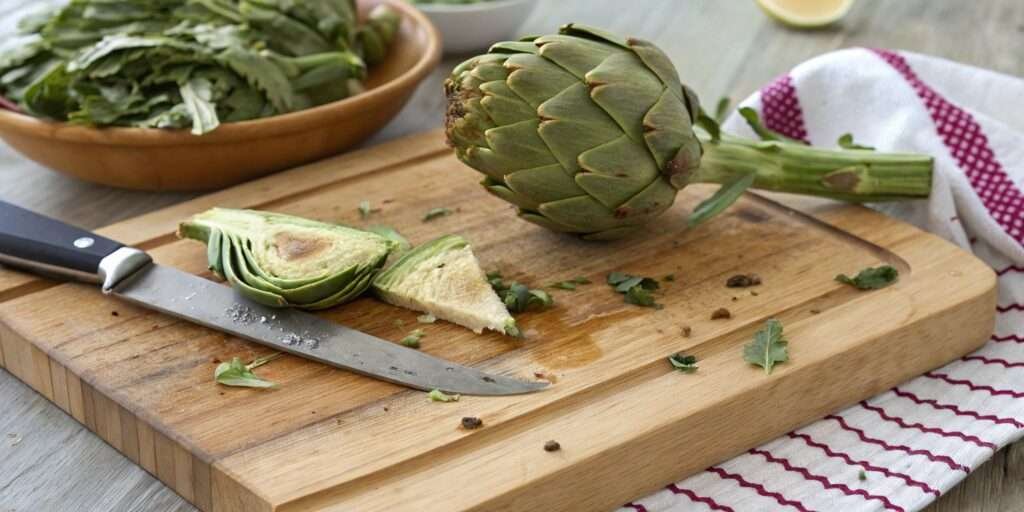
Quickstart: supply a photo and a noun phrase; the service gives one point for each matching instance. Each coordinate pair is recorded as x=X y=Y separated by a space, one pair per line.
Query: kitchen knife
x=49 y=247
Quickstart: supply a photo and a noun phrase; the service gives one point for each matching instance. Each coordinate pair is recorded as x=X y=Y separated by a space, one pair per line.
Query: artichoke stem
x=849 y=175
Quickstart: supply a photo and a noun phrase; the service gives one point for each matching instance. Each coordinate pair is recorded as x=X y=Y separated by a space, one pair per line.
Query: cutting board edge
x=546 y=491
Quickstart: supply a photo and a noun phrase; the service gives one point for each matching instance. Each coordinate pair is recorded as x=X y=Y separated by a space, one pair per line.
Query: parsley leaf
x=412 y=340
x=517 y=297
x=683 y=363
x=571 y=284
x=365 y=210
x=435 y=213
x=768 y=348
x=871 y=278
x=437 y=395
x=636 y=290
x=236 y=373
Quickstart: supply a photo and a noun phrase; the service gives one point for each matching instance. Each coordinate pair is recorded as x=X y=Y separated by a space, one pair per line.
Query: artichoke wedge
x=285 y=261
x=443 y=277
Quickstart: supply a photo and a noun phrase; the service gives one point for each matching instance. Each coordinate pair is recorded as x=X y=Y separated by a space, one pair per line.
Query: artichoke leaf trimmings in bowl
x=443 y=278
x=285 y=261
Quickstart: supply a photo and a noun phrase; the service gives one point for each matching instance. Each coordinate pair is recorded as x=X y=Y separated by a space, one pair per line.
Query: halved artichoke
x=443 y=277
x=285 y=261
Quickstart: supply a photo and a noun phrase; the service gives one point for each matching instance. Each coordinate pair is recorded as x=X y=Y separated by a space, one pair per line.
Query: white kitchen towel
x=902 y=449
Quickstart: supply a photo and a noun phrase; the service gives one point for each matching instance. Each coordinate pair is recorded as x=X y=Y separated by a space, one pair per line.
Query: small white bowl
x=474 y=27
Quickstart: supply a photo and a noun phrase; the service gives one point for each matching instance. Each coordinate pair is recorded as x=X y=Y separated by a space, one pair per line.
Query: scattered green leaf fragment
x=846 y=142
x=871 y=278
x=768 y=348
x=518 y=297
x=862 y=476
x=683 y=363
x=236 y=373
x=640 y=296
x=398 y=322
x=637 y=290
x=412 y=340
x=365 y=210
x=435 y=213
x=426 y=319
x=571 y=284
x=439 y=396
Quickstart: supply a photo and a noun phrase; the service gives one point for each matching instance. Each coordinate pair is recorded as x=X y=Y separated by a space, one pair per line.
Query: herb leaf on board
x=437 y=395
x=768 y=348
x=435 y=213
x=412 y=340
x=236 y=373
x=871 y=278
x=517 y=297
x=683 y=363
x=636 y=290
x=570 y=284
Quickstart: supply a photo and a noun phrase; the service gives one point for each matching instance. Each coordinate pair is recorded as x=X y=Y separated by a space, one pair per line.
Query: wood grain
x=739 y=46
x=138 y=366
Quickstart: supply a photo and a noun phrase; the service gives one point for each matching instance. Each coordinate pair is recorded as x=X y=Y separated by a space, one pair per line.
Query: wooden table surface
x=48 y=462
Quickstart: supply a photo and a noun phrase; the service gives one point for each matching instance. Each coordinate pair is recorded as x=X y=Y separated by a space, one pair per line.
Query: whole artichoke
x=589 y=133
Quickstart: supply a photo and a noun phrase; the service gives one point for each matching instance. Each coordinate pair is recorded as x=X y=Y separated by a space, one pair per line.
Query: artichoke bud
x=285 y=261
x=583 y=131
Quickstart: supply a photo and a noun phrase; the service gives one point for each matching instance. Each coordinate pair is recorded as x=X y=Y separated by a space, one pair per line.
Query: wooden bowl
x=154 y=159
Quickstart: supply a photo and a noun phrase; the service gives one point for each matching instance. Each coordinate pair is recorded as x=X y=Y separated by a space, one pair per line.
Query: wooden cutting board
x=626 y=421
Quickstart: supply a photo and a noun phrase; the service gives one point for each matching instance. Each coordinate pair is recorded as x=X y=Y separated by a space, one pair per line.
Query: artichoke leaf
x=502 y=104
x=502 y=191
x=626 y=90
x=535 y=79
x=229 y=264
x=582 y=213
x=521 y=140
x=577 y=56
x=664 y=136
x=514 y=47
x=544 y=222
x=573 y=124
x=543 y=184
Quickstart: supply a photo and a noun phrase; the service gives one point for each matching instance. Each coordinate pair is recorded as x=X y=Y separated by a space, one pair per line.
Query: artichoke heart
x=285 y=261
x=443 y=277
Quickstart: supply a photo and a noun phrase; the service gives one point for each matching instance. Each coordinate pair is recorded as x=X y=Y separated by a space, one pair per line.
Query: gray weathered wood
x=721 y=47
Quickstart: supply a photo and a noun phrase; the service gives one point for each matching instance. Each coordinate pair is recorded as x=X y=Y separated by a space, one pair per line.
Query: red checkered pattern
x=969 y=147
x=781 y=109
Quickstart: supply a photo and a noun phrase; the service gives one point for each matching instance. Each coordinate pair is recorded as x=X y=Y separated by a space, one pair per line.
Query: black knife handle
x=36 y=242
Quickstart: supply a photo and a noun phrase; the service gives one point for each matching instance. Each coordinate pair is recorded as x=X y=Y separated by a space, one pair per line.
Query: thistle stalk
x=855 y=175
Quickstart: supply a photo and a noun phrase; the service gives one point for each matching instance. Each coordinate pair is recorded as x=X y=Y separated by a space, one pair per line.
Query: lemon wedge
x=806 y=13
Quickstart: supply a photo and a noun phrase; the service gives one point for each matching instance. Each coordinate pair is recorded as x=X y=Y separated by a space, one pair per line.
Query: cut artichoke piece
x=285 y=261
x=443 y=278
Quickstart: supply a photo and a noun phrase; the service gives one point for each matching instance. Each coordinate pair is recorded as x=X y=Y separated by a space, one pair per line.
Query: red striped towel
x=902 y=449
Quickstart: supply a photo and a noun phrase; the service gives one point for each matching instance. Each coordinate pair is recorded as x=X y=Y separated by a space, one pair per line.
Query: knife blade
x=47 y=246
